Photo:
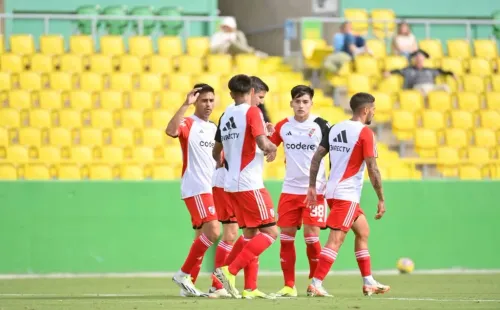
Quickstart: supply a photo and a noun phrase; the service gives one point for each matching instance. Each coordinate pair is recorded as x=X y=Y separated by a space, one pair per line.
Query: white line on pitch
x=440 y=300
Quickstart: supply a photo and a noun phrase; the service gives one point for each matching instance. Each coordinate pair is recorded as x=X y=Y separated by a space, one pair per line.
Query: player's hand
x=219 y=164
x=380 y=210
x=192 y=96
x=311 y=199
x=271 y=156
x=270 y=129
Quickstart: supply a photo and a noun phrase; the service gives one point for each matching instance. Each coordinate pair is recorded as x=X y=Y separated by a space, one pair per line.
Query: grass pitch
x=407 y=292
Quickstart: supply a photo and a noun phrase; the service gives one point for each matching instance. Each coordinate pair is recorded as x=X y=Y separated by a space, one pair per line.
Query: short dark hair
x=301 y=90
x=205 y=88
x=359 y=100
x=240 y=84
x=258 y=85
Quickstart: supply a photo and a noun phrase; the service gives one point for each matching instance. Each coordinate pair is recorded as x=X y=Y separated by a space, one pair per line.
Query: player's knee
x=311 y=230
x=212 y=231
x=249 y=233
x=290 y=231
x=271 y=231
x=335 y=239
x=230 y=232
x=362 y=236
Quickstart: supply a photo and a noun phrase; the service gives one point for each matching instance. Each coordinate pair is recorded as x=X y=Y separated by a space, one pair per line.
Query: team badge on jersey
x=311 y=132
x=211 y=209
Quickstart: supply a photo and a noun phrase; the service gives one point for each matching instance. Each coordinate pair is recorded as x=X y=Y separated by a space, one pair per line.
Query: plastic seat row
x=484 y=142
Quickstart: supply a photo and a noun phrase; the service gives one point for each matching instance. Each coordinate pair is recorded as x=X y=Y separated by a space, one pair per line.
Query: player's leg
x=197 y=267
x=361 y=231
x=314 y=220
x=251 y=271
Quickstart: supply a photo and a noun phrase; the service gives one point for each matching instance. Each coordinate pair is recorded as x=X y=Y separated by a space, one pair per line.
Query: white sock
x=317 y=282
x=369 y=280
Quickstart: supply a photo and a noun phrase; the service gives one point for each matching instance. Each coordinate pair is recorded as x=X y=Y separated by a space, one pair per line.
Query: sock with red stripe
x=196 y=253
x=364 y=264
x=221 y=253
x=326 y=259
x=250 y=272
x=254 y=248
x=313 y=251
x=237 y=247
x=196 y=270
x=288 y=258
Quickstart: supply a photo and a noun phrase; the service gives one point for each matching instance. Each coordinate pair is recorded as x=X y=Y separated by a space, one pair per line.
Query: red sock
x=221 y=253
x=254 y=247
x=288 y=258
x=198 y=249
x=251 y=272
x=326 y=259
x=364 y=263
x=313 y=251
x=237 y=247
x=196 y=270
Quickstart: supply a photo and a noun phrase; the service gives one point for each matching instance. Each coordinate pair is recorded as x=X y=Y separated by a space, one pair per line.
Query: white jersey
x=219 y=177
x=196 y=137
x=300 y=141
x=237 y=131
x=349 y=143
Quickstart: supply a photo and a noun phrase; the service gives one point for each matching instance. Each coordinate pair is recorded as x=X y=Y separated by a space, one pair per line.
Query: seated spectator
x=230 y=40
x=404 y=42
x=420 y=78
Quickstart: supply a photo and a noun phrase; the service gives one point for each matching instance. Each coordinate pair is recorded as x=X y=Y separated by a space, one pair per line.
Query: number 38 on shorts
x=293 y=211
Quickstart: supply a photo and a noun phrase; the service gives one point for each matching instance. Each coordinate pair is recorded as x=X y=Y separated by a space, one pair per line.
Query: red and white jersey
x=237 y=131
x=300 y=141
x=349 y=143
x=197 y=142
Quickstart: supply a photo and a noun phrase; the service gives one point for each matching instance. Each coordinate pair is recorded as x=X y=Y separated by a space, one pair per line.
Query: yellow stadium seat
x=190 y=64
x=131 y=118
x=81 y=45
x=454 y=65
x=81 y=154
x=164 y=172
x=403 y=124
x=41 y=63
x=478 y=155
x=142 y=154
x=493 y=100
x=140 y=45
x=71 y=63
x=121 y=81
x=22 y=44
x=468 y=101
x=220 y=64
x=4 y=136
x=69 y=118
x=131 y=64
x=112 y=45
x=366 y=65
x=10 y=118
x=426 y=142
x=17 y=154
x=473 y=83
x=30 y=80
x=198 y=46
x=59 y=137
x=100 y=118
x=50 y=99
x=159 y=64
x=100 y=172
x=141 y=100
x=358 y=83
x=490 y=119
x=433 y=120
x=101 y=63
x=112 y=154
x=19 y=99
x=154 y=137
x=495 y=82
x=360 y=25
x=458 y=49
x=8 y=172
x=462 y=119
x=486 y=49
x=479 y=66
x=5 y=81
x=111 y=99
x=377 y=47
x=49 y=154
x=485 y=137
x=90 y=136
x=168 y=97
x=456 y=138
x=384 y=106
x=448 y=161
x=439 y=101
x=11 y=63
x=2 y=47
x=214 y=80
x=30 y=137
x=91 y=81
x=39 y=118
x=60 y=80
x=392 y=84
x=180 y=82
x=433 y=47
x=395 y=62
x=131 y=172
x=52 y=44
x=150 y=82
x=36 y=172
x=411 y=100
x=169 y=46
x=400 y=172
x=383 y=29
x=79 y=99
x=122 y=137
x=160 y=119
x=247 y=64
x=68 y=172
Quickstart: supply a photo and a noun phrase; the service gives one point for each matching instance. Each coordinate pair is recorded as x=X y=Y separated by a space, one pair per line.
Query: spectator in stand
x=420 y=78
x=230 y=40
x=404 y=42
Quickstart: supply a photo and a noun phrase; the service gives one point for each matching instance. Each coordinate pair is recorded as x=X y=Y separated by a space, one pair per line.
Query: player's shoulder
x=213 y=124
x=322 y=123
x=187 y=121
x=282 y=122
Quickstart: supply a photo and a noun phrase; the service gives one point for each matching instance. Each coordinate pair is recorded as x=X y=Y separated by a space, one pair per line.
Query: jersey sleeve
x=217 y=132
x=255 y=122
x=185 y=128
x=368 y=142
x=276 y=137
x=323 y=125
x=325 y=140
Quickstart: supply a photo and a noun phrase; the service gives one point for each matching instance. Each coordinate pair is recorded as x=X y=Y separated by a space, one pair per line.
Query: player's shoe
x=256 y=294
x=317 y=291
x=287 y=292
x=228 y=280
x=376 y=288
x=215 y=293
x=187 y=287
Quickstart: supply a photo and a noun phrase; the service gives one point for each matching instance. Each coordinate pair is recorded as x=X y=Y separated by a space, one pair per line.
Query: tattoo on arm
x=315 y=163
x=375 y=177
x=264 y=144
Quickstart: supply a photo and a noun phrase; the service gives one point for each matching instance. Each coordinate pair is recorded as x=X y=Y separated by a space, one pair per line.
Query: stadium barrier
x=105 y=227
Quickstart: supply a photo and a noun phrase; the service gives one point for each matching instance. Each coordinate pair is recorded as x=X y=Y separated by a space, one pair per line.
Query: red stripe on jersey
x=276 y=137
x=184 y=130
x=254 y=128
x=364 y=147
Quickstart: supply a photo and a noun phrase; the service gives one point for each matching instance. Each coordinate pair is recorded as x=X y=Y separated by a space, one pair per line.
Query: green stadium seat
x=115 y=27
x=148 y=26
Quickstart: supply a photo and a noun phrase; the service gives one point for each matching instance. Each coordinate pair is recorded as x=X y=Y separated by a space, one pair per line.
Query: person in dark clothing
x=267 y=119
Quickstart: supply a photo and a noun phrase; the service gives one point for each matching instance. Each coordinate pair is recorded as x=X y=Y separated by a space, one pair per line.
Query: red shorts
x=253 y=208
x=223 y=206
x=201 y=208
x=343 y=213
x=293 y=211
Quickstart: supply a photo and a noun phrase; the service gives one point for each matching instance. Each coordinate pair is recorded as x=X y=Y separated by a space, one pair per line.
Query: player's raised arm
x=172 y=129
x=370 y=155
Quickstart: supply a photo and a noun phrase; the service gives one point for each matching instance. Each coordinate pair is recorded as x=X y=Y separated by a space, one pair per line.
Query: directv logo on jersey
x=339 y=148
x=341 y=138
x=300 y=146
x=230 y=136
x=209 y=144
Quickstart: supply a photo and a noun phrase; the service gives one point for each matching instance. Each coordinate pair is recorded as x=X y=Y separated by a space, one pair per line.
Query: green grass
x=446 y=292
